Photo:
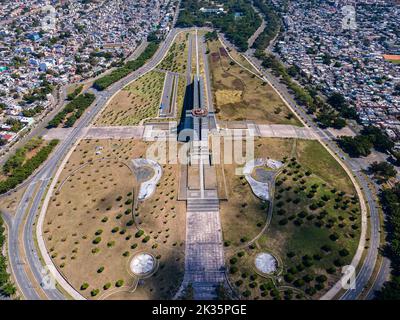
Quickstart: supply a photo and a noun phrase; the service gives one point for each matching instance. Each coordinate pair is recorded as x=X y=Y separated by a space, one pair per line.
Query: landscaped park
x=240 y=95
x=95 y=228
x=290 y=217
x=311 y=230
x=140 y=101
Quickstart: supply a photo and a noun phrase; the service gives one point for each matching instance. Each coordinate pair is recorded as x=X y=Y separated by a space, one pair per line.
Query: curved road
x=40 y=183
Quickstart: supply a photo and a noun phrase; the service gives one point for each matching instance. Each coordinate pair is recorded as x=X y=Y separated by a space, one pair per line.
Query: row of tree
x=74 y=109
x=238 y=24
x=19 y=157
x=21 y=172
x=127 y=68
x=272 y=24
x=332 y=113
x=361 y=145
x=390 y=199
x=75 y=93
x=6 y=286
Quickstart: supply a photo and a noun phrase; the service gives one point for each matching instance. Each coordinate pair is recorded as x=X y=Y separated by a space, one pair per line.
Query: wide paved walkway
x=204 y=260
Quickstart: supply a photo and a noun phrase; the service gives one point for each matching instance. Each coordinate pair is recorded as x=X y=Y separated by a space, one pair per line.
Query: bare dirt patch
x=228 y=96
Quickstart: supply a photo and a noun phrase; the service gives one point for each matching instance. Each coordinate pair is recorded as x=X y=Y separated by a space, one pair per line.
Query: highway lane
x=17 y=263
x=366 y=270
x=43 y=177
x=167 y=108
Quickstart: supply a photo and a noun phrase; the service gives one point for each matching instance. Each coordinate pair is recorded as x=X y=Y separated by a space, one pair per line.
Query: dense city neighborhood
x=359 y=61
x=87 y=38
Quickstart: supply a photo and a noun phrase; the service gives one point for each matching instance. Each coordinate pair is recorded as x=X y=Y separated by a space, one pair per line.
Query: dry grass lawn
x=228 y=96
x=91 y=224
x=136 y=102
x=259 y=102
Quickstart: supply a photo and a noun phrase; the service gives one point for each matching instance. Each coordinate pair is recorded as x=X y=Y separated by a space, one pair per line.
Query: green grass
x=136 y=102
x=292 y=231
x=315 y=157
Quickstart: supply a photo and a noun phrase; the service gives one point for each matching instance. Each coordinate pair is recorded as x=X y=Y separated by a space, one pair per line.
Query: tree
x=390 y=290
x=382 y=170
x=337 y=100
x=379 y=139
x=359 y=146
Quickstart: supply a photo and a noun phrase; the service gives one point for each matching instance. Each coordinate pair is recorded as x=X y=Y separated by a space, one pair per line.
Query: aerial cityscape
x=216 y=150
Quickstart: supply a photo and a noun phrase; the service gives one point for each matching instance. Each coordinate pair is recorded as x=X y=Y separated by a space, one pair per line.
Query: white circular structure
x=142 y=264
x=266 y=263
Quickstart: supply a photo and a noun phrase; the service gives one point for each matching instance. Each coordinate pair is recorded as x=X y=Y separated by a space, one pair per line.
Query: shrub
x=100 y=270
x=289 y=277
x=84 y=286
x=326 y=248
x=239 y=283
x=331 y=270
x=233 y=269
x=338 y=262
x=293 y=270
x=283 y=221
x=334 y=236
x=308 y=278
x=317 y=257
x=98 y=232
x=344 y=252
x=246 y=293
x=139 y=233
x=321 y=278
x=119 y=283
x=110 y=244
x=96 y=240
x=291 y=254
x=319 y=286
x=114 y=230
x=146 y=239
x=311 y=291
x=107 y=286
x=94 y=292
x=298 y=283
x=233 y=260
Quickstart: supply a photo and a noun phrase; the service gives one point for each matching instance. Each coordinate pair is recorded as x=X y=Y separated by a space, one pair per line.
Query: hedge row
x=22 y=172
x=6 y=287
x=130 y=66
x=77 y=106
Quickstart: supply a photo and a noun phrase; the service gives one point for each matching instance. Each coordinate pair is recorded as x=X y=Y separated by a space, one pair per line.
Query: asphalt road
x=168 y=96
x=41 y=181
x=365 y=272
